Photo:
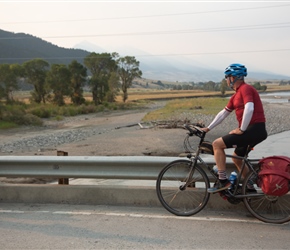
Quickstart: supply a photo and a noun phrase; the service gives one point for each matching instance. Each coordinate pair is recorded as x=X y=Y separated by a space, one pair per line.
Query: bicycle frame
x=246 y=163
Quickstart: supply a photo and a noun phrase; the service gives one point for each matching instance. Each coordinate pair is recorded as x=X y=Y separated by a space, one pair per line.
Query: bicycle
x=182 y=185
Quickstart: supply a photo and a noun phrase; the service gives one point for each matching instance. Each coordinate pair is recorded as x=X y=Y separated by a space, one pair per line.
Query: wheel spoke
x=181 y=190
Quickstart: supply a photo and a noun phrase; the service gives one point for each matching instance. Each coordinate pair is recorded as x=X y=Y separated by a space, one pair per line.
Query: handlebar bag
x=274 y=175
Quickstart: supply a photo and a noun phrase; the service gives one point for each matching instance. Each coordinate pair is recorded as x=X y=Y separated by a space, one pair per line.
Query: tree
x=78 y=78
x=128 y=69
x=8 y=81
x=224 y=86
x=35 y=71
x=209 y=86
x=113 y=85
x=101 y=67
x=258 y=86
x=58 y=80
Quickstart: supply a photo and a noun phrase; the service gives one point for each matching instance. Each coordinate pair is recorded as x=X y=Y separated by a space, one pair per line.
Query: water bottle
x=233 y=178
x=215 y=170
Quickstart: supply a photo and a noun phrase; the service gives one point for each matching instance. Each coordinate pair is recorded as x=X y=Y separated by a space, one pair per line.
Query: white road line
x=72 y=213
x=135 y=215
x=12 y=211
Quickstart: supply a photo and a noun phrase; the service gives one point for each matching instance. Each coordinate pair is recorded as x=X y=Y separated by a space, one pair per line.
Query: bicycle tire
x=269 y=209
x=185 y=202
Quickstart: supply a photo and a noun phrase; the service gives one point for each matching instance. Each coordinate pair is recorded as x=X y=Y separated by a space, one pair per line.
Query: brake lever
x=191 y=131
x=200 y=133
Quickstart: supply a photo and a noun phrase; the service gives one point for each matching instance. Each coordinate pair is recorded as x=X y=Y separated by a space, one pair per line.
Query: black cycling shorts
x=254 y=134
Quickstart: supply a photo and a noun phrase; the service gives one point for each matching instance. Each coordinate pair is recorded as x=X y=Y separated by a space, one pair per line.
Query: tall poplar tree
x=35 y=72
x=128 y=70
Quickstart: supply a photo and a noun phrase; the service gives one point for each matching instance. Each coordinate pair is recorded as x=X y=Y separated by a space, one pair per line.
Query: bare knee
x=218 y=144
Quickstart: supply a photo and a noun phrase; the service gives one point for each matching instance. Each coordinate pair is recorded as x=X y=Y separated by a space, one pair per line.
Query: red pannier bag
x=274 y=175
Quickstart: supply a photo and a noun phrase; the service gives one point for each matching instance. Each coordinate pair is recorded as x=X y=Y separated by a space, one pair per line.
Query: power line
x=166 y=55
x=220 y=53
x=218 y=29
x=149 y=16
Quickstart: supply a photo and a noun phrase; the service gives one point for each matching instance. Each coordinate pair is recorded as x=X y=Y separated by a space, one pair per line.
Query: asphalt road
x=63 y=226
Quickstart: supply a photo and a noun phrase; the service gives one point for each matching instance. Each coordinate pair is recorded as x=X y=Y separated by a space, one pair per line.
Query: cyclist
x=251 y=119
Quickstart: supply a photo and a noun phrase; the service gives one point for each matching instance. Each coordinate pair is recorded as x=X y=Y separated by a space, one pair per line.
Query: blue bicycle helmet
x=237 y=70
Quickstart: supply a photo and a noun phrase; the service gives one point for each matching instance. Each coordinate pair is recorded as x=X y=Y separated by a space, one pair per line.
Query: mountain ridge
x=21 y=47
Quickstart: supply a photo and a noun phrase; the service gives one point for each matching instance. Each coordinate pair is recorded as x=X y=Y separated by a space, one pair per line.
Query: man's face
x=229 y=79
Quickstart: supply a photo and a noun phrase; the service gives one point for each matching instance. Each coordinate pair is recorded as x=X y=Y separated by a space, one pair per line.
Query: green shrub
x=7 y=125
x=69 y=111
x=58 y=118
x=30 y=119
x=87 y=109
x=41 y=112
x=21 y=114
x=106 y=104
x=100 y=108
x=13 y=115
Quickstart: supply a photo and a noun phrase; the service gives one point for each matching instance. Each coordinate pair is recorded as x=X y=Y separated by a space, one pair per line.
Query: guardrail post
x=62 y=181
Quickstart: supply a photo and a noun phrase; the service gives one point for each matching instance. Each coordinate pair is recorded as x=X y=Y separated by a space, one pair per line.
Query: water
x=276 y=97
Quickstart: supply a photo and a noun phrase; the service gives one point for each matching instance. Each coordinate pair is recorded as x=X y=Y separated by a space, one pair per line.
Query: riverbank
x=97 y=134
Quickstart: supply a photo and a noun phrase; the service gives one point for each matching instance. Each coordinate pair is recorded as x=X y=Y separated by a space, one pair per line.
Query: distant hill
x=176 y=68
x=20 y=47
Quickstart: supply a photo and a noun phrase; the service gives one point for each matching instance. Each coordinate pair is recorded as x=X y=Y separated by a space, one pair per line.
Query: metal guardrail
x=102 y=167
x=99 y=167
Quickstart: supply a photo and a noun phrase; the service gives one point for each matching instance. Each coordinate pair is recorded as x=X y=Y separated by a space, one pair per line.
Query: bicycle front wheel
x=267 y=208
x=182 y=189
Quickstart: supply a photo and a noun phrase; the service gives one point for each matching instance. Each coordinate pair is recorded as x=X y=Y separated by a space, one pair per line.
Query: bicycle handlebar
x=195 y=130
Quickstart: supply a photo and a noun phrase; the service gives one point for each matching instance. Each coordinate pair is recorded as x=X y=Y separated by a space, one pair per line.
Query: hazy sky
x=215 y=33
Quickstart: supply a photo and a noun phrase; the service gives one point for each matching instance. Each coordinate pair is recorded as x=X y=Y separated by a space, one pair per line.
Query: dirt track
x=118 y=134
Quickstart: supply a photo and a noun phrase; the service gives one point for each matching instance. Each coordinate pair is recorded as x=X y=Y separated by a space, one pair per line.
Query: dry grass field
x=136 y=94
x=167 y=94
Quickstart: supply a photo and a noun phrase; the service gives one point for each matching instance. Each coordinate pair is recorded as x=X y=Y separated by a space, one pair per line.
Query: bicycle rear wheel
x=181 y=191
x=267 y=208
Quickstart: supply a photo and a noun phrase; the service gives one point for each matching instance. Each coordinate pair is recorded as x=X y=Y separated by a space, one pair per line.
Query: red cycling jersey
x=246 y=93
